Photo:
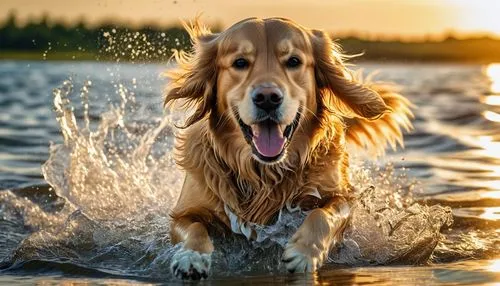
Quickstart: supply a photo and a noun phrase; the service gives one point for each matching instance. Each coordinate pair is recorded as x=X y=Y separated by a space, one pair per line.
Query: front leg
x=193 y=260
x=322 y=229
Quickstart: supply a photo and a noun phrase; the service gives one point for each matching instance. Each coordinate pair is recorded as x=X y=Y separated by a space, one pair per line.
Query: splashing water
x=110 y=172
x=112 y=188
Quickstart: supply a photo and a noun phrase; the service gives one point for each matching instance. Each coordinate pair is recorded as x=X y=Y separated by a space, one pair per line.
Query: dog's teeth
x=255 y=130
x=281 y=128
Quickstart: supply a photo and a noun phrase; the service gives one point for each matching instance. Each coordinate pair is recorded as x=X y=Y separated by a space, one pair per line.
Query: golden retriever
x=274 y=108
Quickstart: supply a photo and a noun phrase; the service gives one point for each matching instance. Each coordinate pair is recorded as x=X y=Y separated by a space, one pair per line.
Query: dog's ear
x=193 y=81
x=338 y=86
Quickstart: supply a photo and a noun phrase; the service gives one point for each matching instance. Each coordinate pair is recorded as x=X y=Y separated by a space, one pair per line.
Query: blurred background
x=411 y=30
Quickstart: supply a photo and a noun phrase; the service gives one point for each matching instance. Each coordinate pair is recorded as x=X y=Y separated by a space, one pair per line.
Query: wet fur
x=218 y=162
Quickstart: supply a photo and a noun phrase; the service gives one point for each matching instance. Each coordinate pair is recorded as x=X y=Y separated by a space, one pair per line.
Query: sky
x=392 y=18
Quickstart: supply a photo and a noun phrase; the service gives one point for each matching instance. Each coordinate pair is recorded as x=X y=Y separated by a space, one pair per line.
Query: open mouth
x=268 y=138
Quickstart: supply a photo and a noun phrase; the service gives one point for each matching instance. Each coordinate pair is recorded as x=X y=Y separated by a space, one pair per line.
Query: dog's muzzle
x=267 y=135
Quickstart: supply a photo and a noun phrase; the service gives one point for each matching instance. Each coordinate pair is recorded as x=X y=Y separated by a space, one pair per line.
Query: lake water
x=103 y=142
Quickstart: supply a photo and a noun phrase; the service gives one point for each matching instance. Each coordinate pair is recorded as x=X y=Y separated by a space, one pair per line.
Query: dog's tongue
x=268 y=138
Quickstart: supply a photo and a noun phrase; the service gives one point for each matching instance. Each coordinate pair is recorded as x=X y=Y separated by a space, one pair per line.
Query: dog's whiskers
x=312 y=112
x=224 y=118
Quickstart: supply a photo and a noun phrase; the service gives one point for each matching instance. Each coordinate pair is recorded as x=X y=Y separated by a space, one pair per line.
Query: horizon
x=383 y=19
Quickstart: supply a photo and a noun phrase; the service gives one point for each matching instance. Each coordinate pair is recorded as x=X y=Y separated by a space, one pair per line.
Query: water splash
x=110 y=171
x=113 y=187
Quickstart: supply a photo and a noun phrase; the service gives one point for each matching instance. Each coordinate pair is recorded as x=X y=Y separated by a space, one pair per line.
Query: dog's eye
x=293 y=62
x=240 y=64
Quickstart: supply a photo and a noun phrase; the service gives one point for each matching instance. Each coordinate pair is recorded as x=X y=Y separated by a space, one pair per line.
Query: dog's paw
x=190 y=264
x=300 y=258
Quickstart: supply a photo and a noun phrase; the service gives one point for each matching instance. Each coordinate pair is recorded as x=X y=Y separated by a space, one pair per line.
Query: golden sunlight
x=491 y=100
x=491 y=213
x=492 y=195
x=491 y=116
x=487 y=143
x=375 y=17
x=487 y=19
x=479 y=15
x=493 y=72
x=495 y=266
x=487 y=194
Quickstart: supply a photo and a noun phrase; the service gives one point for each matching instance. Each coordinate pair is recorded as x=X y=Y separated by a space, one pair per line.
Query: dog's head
x=267 y=77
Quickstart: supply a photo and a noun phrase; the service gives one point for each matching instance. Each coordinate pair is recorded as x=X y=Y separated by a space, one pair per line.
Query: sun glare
x=491 y=116
x=491 y=100
x=489 y=145
x=493 y=73
x=491 y=213
x=478 y=15
x=495 y=266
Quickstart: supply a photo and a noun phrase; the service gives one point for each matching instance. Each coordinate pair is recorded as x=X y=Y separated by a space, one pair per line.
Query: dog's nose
x=267 y=98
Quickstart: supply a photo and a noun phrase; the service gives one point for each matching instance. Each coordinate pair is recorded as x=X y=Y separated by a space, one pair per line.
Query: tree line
x=107 y=40
x=114 y=41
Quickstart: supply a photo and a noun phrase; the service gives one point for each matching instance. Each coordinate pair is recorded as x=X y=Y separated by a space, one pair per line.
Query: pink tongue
x=268 y=139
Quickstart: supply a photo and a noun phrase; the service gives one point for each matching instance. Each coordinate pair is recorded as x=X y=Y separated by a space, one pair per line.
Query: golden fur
x=336 y=107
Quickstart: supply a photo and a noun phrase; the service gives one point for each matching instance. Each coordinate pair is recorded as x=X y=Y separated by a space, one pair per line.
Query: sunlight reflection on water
x=493 y=72
x=491 y=100
x=491 y=116
x=490 y=146
x=492 y=213
x=495 y=266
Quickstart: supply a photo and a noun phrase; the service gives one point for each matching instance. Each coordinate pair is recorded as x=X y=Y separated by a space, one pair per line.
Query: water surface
x=105 y=145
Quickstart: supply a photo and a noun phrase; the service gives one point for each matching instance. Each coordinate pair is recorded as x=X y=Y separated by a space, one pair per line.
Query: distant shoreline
x=476 y=50
x=52 y=56
x=51 y=40
x=79 y=56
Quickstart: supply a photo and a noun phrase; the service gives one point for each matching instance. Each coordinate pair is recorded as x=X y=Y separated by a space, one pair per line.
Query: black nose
x=267 y=98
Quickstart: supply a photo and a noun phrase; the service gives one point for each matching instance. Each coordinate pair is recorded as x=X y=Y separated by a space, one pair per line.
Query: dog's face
x=266 y=77
x=265 y=81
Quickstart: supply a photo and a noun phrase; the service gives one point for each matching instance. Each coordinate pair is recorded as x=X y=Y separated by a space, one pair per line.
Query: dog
x=274 y=108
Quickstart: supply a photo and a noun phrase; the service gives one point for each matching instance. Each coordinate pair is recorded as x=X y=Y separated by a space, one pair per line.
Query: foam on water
x=114 y=185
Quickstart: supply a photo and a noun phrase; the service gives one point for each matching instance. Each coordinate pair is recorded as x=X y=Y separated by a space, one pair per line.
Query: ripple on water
x=111 y=217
